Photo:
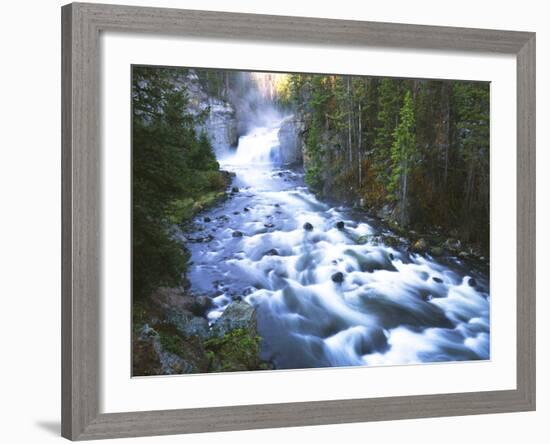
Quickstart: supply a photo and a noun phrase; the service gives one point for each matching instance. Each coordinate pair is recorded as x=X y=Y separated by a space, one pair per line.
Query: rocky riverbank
x=171 y=335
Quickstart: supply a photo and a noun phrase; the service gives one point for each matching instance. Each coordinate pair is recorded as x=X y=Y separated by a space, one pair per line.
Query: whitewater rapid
x=392 y=307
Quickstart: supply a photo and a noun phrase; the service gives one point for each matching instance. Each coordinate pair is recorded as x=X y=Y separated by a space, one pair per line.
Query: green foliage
x=170 y=163
x=388 y=117
x=171 y=343
x=237 y=350
x=403 y=157
x=314 y=154
x=403 y=150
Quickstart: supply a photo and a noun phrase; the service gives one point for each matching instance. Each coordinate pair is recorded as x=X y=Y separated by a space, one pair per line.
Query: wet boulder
x=235 y=190
x=372 y=261
x=338 y=277
x=438 y=280
x=272 y=252
x=340 y=225
x=237 y=233
x=308 y=227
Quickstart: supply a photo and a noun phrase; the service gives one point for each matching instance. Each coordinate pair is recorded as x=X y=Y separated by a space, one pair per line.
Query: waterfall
x=259 y=146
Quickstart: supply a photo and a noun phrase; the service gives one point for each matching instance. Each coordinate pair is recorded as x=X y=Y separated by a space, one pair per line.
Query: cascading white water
x=258 y=147
x=391 y=307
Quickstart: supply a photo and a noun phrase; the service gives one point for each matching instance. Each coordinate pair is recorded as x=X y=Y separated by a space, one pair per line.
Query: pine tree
x=403 y=156
x=388 y=118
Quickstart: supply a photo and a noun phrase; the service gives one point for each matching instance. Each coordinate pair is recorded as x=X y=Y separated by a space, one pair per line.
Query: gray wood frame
x=81 y=26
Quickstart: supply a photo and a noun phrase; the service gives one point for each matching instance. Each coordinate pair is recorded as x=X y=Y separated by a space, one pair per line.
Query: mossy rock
x=237 y=315
x=237 y=350
x=191 y=350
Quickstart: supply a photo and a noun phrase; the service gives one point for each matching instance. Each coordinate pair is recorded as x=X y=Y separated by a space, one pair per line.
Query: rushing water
x=392 y=307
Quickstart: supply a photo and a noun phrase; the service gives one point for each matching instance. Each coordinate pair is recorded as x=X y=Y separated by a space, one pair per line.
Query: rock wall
x=291 y=141
x=220 y=117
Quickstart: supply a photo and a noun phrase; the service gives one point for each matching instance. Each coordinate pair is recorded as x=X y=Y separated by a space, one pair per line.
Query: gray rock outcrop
x=290 y=141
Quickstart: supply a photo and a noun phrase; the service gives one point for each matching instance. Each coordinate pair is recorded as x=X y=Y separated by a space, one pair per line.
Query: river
x=322 y=298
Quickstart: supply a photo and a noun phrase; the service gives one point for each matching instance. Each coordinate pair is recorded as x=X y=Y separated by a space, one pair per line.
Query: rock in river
x=308 y=226
x=338 y=277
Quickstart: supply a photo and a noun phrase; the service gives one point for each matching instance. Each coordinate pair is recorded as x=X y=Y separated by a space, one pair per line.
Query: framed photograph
x=277 y=221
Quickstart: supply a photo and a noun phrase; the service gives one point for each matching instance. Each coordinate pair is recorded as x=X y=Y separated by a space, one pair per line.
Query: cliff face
x=293 y=151
x=291 y=141
x=220 y=121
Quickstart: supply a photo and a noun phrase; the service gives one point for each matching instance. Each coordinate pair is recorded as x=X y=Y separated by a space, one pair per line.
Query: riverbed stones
x=308 y=227
x=338 y=277
x=340 y=225
x=237 y=233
